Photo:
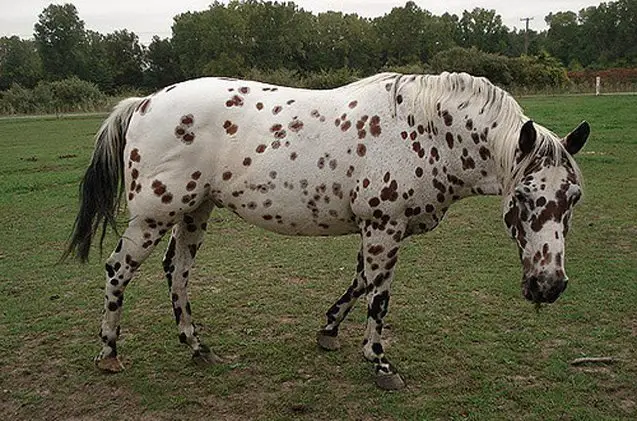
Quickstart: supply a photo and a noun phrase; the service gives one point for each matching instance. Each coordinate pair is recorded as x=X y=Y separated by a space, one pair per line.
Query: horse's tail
x=103 y=183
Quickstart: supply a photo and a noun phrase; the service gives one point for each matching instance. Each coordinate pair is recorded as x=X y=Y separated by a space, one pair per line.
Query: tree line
x=283 y=43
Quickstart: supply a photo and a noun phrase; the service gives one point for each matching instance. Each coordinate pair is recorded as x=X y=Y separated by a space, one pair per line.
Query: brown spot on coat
x=296 y=126
x=448 y=118
x=361 y=149
x=159 y=188
x=390 y=193
x=187 y=120
x=485 y=153
x=374 y=126
x=449 y=138
x=188 y=137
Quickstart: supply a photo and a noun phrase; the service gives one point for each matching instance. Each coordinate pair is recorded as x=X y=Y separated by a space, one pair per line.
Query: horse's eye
x=519 y=195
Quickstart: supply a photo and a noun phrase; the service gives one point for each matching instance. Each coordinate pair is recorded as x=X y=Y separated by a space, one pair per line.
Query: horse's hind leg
x=328 y=336
x=133 y=248
x=186 y=239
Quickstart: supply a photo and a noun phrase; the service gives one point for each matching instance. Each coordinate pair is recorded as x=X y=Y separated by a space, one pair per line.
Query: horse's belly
x=291 y=214
x=299 y=205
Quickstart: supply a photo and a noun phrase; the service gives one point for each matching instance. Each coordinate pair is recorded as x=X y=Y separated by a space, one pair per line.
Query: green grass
x=466 y=341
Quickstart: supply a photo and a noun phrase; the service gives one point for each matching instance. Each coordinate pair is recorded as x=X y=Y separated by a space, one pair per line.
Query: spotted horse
x=383 y=157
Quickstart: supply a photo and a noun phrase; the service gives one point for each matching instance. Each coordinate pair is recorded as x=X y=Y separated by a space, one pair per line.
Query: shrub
x=409 y=69
x=68 y=95
x=73 y=94
x=475 y=62
x=18 y=100
x=282 y=76
x=330 y=79
x=541 y=72
x=314 y=80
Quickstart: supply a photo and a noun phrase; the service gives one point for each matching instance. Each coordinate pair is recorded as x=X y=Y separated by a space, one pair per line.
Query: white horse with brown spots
x=383 y=157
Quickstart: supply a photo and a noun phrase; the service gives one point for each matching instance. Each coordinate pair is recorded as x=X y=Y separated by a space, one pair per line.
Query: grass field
x=468 y=344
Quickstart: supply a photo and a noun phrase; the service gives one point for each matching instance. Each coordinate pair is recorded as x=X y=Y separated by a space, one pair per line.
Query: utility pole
x=526 y=35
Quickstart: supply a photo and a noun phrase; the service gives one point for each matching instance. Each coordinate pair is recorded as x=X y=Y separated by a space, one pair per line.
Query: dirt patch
x=632 y=325
x=524 y=381
x=549 y=346
x=297 y=280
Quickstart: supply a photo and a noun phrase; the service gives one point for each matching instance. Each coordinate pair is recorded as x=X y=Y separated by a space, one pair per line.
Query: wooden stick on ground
x=593 y=360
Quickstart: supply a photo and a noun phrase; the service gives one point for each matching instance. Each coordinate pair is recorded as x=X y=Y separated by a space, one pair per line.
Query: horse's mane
x=463 y=91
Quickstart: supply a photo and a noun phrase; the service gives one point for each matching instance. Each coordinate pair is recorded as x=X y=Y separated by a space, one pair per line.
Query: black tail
x=103 y=183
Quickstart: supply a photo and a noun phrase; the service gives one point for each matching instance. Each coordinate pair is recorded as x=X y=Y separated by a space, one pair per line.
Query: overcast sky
x=154 y=17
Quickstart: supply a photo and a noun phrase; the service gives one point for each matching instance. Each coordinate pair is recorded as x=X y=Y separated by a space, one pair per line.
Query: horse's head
x=537 y=209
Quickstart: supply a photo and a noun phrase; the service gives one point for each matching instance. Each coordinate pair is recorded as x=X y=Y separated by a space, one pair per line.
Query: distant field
x=467 y=343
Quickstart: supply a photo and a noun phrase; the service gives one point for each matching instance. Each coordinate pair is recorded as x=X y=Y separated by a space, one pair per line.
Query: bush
x=409 y=69
x=524 y=73
x=475 y=62
x=330 y=79
x=282 y=77
x=74 y=94
x=312 y=80
x=68 y=95
x=537 y=73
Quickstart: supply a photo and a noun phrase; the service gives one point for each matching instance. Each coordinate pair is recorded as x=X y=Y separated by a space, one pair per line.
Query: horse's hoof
x=327 y=342
x=109 y=364
x=205 y=356
x=391 y=381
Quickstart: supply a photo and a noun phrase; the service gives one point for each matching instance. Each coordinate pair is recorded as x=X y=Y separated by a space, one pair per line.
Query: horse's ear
x=575 y=140
x=528 y=137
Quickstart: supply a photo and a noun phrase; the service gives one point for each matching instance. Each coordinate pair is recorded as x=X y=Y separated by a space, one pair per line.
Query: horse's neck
x=472 y=155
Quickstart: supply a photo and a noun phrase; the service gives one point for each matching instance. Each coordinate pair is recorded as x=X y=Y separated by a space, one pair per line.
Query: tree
x=610 y=34
x=60 y=38
x=19 y=63
x=277 y=34
x=483 y=29
x=343 y=41
x=401 y=33
x=125 y=56
x=163 y=64
x=97 y=69
x=563 y=36
x=211 y=40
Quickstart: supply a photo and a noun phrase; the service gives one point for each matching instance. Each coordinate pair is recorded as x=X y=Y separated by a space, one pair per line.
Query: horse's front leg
x=328 y=336
x=380 y=246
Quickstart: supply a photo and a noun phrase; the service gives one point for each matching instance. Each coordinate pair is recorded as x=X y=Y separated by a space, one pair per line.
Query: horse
x=383 y=157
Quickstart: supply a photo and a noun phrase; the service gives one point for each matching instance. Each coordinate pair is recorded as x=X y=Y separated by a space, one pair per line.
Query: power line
x=526 y=35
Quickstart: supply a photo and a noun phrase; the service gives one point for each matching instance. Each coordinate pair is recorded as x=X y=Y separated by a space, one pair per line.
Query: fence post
x=598 y=85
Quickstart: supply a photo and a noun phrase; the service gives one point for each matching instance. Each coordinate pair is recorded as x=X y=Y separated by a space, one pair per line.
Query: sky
x=154 y=17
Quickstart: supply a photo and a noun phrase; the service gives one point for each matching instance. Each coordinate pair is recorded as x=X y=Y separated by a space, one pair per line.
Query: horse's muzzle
x=543 y=289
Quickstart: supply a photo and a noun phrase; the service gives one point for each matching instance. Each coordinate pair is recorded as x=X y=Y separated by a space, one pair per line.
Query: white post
x=598 y=85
